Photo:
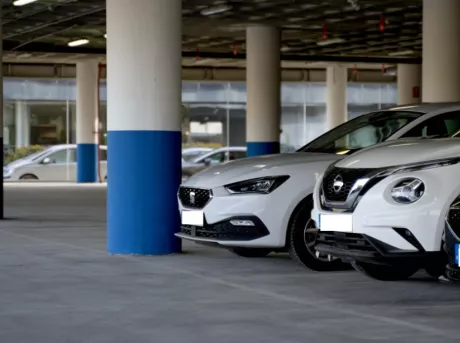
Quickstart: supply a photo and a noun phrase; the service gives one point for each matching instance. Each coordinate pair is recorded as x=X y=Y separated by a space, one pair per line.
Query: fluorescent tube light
x=330 y=41
x=22 y=2
x=78 y=42
x=105 y=35
x=401 y=53
x=216 y=9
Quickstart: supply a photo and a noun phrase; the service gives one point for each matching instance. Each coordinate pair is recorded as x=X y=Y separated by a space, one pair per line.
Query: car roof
x=424 y=107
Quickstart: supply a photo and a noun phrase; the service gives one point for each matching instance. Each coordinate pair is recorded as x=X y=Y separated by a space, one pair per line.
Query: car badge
x=338 y=184
x=192 y=198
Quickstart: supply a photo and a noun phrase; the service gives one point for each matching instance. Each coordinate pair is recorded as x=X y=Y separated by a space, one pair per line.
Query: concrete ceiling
x=348 y=31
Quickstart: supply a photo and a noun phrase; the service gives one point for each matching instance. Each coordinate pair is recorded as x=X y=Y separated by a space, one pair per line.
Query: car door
x=59 y=166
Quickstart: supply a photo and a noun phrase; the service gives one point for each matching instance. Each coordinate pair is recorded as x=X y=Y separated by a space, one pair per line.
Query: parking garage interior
x=147 y=78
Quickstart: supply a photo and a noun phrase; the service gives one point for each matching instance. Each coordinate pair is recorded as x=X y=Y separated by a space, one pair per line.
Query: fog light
x=237 y=222
x=408 y=191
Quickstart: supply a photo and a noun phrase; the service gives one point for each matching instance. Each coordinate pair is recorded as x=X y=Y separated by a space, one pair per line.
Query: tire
x=28 y=177
x=301 y=243
x=250 y=252
x=385 y=273
x=439 y=267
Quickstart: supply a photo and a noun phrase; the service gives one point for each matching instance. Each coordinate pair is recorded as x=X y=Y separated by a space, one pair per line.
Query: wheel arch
x=305 y=199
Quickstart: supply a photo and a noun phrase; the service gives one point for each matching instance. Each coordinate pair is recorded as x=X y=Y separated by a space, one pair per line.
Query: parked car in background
x=215 y=157
x=383 y=209
x=258 y=205
x=189 y=154
x=57 y=163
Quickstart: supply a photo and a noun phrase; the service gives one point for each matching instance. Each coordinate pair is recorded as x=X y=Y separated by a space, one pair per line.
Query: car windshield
x=361 y=132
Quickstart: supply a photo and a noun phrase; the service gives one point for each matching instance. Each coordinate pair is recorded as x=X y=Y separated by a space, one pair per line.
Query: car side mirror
x=207 y=162
x=46 y=160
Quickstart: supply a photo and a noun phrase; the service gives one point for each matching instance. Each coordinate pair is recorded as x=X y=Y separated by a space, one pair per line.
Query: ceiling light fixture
x=105 y=35
x=78 y=42
x=401 y=53
x=22 y=2
x=330 y=41
x=216 y=9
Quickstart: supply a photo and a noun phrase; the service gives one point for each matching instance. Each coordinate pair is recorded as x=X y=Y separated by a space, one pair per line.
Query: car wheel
x=386 y=273
x=438 y=267
x=250 y=252
x=302 y=241
x=28 y=177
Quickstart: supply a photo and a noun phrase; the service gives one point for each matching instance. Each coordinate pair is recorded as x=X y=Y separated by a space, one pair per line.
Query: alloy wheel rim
x=310 y=235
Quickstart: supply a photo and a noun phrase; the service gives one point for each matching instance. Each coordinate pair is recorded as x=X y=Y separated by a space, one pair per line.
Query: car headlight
x=263 y=185
x=408 y=191
x=7 y=172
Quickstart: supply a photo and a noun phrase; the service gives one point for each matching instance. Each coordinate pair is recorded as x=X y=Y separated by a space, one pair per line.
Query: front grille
x=194 y=197
x=453 y=218
x=345 y=241
x=347 y=176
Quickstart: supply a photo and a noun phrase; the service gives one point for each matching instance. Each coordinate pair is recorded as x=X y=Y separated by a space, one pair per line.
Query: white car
x=57 y=163
x=383 y=209
x=259 y=205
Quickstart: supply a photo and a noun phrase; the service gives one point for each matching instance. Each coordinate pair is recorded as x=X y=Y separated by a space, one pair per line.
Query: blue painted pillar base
x=144 y=174
x=87 y=163
x=262 y=148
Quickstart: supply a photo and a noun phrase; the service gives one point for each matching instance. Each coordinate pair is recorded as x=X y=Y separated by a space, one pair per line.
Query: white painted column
x=409 y=80
x=263 y=84
x=441 y=51
x=22 y=118
x=144 y=57
x=87 y=123
x=336 y=96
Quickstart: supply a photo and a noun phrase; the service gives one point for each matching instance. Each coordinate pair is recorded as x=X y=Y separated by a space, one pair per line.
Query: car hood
x=405 y=151
x=18 y=163
x=253 y=167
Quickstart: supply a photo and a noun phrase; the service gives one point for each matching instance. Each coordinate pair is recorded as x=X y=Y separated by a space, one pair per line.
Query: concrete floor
x=57 y=284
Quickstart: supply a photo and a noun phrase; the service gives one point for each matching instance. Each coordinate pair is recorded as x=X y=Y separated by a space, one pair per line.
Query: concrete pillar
x=409 y=80
x=87 y=102
x=441 y=51
x=263 y=79
x=144 y=47
x=336 y=96
x=22 y=118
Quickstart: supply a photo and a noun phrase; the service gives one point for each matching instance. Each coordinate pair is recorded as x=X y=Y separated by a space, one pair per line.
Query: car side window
x=64 y=156
x=442 y=125
x=235 y=155
x=217 y=158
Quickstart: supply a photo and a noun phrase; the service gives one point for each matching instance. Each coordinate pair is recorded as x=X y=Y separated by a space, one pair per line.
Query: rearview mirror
x=46 y=160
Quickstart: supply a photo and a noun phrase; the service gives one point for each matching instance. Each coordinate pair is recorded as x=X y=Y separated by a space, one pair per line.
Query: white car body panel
x=377 y=213
x=282 y=201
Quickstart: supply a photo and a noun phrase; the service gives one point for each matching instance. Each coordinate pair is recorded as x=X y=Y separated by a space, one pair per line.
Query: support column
x=409 y=80
x=441 y=51
x=144 y=49
x=22 y=118
x=263 y=79
x=336 y=96
x=87 y=103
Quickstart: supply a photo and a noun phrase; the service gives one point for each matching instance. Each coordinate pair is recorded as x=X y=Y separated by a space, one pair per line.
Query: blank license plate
x=195 y=218
x=337 y=222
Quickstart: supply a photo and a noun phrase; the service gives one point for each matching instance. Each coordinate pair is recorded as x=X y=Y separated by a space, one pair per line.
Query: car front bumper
x=248 y=220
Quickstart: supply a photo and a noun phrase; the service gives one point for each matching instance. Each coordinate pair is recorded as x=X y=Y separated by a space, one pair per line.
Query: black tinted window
x=361 y=132
x=443 y=125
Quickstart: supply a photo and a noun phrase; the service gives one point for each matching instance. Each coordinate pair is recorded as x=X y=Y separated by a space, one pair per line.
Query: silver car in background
x=57 y=163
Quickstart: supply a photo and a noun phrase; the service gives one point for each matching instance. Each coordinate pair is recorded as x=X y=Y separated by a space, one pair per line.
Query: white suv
x=254 y=206
x=383 y=209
